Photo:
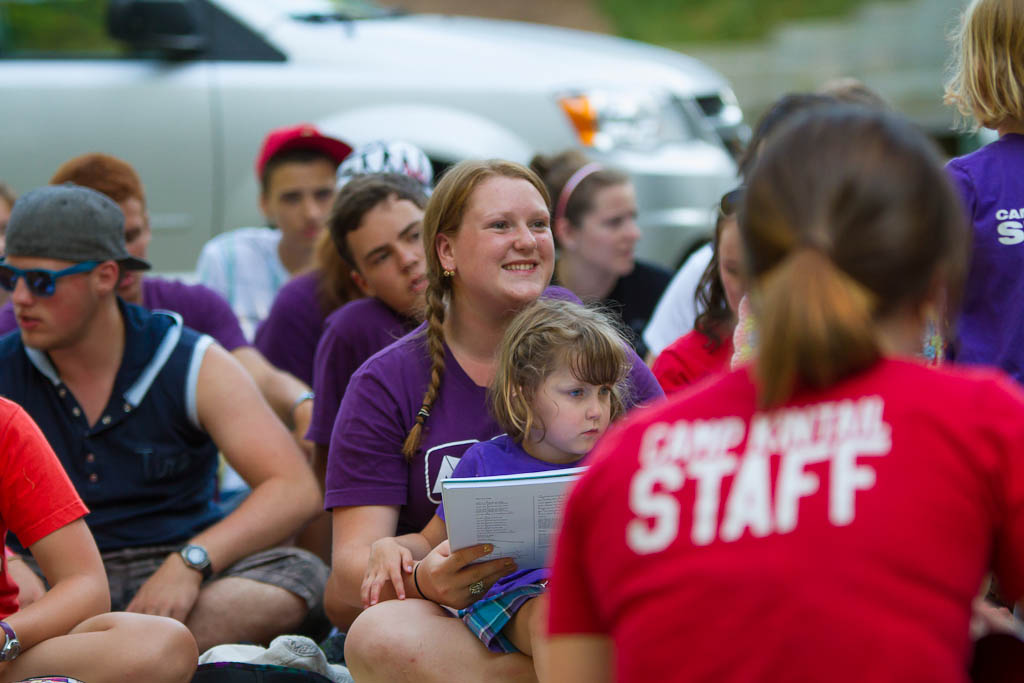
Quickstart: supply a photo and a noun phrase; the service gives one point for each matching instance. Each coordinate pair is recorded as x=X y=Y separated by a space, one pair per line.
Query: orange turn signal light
x=582 y=115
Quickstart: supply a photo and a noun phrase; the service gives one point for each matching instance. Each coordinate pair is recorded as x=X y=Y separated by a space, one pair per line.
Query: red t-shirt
x=839 y=538
x=687 y=361
x=36 y=496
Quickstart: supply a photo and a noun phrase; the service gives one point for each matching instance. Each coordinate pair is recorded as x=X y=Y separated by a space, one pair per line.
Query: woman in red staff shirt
x=831 y=512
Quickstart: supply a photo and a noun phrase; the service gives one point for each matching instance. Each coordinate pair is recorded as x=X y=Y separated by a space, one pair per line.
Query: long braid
x=435 y=346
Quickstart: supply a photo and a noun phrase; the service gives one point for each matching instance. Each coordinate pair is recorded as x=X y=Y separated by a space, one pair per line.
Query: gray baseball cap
x=70 y=223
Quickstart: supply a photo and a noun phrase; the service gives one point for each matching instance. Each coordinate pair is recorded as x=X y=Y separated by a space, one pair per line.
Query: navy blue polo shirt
x=146 y=469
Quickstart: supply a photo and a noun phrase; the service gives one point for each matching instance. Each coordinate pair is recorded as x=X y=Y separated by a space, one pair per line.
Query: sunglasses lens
x=8 y=278
x=39 y=283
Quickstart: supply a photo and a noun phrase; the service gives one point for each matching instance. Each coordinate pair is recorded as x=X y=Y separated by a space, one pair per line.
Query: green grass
x=49 y=27
x=668 y=22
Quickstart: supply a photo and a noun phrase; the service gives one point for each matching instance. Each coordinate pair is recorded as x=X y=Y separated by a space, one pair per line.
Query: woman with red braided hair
x=413 y=409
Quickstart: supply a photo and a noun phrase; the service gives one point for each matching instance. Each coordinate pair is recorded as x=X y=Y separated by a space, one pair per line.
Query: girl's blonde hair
x=987 y=81
x=542 y=337
x=443 y=215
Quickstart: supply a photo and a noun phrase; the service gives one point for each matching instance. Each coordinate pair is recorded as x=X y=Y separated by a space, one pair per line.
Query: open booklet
x=517 y=513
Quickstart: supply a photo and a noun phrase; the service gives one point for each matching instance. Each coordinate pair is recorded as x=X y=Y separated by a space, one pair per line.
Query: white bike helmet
x=381 y=156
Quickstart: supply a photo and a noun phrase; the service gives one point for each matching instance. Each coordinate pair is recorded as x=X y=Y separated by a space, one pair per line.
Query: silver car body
x=457 y=87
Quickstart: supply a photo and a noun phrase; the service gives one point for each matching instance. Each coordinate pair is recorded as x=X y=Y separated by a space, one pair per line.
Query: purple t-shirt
x=351 y=334
x=201 y=308
x=288 y=336
x=991 y=184
x=497 y=457
x=365 y=464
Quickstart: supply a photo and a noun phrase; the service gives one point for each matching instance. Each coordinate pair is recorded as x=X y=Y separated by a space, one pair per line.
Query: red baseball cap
x=302 y=136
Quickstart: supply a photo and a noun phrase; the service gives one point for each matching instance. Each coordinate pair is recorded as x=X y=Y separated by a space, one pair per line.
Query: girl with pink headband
x=594 y=224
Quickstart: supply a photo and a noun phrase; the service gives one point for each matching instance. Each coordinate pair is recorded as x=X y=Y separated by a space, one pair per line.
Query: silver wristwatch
x=196 y=557
x=11 y=648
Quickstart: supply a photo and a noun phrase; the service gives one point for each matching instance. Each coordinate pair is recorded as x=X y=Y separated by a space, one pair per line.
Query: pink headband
x=574 y=180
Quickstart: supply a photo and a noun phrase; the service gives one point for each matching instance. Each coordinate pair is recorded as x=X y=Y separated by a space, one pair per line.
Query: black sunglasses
x=40 y=282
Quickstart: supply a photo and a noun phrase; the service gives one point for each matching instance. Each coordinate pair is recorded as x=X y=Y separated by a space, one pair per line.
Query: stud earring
x=448 y=273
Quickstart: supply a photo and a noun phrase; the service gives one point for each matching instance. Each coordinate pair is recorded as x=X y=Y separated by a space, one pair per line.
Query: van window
x=40 y=29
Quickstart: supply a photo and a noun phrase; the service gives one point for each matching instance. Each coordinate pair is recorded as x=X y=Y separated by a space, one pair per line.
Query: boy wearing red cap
x=296 y=169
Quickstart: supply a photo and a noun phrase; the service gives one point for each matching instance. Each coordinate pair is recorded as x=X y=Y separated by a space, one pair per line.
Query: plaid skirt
x=486 y=618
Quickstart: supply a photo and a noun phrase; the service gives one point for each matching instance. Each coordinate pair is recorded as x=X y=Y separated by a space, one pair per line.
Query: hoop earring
x=448 y=273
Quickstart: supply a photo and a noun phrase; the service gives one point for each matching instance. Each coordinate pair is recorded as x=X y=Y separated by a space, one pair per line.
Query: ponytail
x=435 y=347
x=816 y=326
x=848 y=221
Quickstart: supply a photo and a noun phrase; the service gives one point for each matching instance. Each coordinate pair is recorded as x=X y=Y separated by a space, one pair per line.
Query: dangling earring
x=448 y=273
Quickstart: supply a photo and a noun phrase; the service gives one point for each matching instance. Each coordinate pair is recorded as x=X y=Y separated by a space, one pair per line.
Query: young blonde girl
x=988 y=86
x=561 y=367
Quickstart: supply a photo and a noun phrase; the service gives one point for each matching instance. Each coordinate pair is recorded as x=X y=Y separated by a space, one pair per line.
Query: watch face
x=11 y=648
x=195 y=556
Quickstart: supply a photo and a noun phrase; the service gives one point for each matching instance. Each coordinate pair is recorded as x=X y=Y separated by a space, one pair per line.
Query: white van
x=185 y=90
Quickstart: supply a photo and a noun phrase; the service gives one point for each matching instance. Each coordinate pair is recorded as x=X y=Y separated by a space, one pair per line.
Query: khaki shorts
x=293 y=569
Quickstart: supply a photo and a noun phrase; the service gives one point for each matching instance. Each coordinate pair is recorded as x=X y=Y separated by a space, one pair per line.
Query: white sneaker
x=297 y=652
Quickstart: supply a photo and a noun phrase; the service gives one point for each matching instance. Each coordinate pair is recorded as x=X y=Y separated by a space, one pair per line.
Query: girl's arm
x=72 y=566
x=420 y=543
x=390 y=557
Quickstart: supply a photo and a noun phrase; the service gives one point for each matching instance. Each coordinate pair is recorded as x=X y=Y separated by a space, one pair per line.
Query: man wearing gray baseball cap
x=60 y=211
x=137 y=405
